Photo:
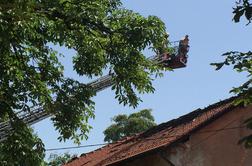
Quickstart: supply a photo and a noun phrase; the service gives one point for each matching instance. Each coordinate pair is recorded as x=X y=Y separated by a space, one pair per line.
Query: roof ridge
x=186 y=118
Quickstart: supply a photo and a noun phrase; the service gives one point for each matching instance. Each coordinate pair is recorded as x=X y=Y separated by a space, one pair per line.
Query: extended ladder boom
x=38 y=114
x=176 y=60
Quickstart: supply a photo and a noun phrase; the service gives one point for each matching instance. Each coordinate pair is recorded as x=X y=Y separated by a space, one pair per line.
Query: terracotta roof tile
x=157 y=137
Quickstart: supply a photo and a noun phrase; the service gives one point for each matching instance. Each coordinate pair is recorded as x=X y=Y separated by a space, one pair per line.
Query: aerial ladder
x=176 y=59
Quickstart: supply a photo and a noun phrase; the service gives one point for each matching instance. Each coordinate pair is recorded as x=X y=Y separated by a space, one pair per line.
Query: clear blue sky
x=212 y=32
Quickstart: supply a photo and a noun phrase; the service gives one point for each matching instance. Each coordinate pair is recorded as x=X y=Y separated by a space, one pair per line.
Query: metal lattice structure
x=38 y=114
x=177 y=60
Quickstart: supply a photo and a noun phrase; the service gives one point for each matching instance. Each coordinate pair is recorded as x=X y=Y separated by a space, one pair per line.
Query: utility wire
x=101 y=144
x=76 y=147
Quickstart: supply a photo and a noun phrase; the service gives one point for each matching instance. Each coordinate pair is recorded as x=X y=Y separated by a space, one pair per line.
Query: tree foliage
x=241 y=62
x=59 y=160
x=104 y=35
x=14 y=153
x=242 y=8
x=124 y=125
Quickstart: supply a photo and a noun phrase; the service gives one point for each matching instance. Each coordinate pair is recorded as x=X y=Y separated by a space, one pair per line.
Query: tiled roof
x=157 y=137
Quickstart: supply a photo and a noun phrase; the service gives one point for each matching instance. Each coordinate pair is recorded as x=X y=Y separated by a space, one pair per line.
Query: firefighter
x=184 y=45
x=163 y=52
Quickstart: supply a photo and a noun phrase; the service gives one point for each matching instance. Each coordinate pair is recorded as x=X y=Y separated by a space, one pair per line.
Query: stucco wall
x=213 y=145
x=216 y=144
x=147 y=160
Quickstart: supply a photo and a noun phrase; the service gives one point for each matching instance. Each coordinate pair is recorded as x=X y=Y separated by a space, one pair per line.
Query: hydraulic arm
x=177 y=59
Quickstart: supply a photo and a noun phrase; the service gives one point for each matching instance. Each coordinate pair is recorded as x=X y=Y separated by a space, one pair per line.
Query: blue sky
x=211 y=31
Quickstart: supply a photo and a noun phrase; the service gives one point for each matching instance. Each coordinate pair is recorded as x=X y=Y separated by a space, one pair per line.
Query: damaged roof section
x=158 y=137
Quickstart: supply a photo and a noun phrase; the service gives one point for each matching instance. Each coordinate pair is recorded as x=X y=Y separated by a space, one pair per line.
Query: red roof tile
x=157 y=137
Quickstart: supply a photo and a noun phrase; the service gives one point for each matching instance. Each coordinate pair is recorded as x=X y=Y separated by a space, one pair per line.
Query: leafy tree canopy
x=128 y=125
x=242 y=8
x=104 y=35
x=241 y=62
x=59 y=160
x=22 y=148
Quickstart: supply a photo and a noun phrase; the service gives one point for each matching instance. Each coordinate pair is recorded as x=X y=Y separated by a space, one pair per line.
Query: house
x=204 y=137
